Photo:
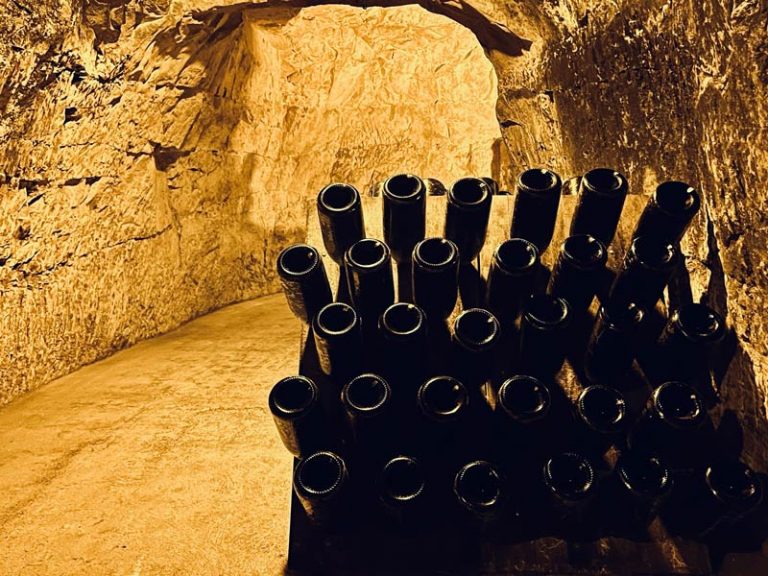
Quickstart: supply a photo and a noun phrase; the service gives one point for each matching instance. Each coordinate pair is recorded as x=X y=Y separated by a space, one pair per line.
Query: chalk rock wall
x=155 y=155
x=153 y=163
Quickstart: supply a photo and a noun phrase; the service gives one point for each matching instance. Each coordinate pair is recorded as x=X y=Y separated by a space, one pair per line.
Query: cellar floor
x=162 y=459
x=158 y=460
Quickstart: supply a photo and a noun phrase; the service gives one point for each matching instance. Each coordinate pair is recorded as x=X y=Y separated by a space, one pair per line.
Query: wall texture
x=155 y=154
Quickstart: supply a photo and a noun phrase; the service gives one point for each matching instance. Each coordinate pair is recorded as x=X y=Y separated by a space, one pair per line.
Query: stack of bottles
x=430 y=409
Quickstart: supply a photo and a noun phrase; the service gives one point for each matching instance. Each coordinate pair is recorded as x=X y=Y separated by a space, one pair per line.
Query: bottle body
x=543 y=335
x=340 y=212
x=467 y=215
x=403 y=335
x=338 y=341
x=370 y=281
x=602 y=193
x=644 y=273
x=612 y=344
x=511 y=280
x=669 y=212
x=578 y=270
x=404 y=208
x=476 y=333
x=435 y=277
x=304 y=281
x=296 y=409
x=321 y=483
x=535 y=207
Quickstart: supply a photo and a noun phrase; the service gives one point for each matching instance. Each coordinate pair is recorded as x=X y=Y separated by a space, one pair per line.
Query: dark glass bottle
x=571 y=485
x=535 y=210
x=304 y=281
x=523 y=410
x=543 y=335
x=635 y=492
x=719 y=495
x=602 y=192
x=443 y=404
x=403 y=331
x=578 y=270
x=612 y=345
x=405 y=207
x=341 y=219
x=402 y=492
x=338 y=340
x=295 y=405
x=467 y=215
x=367 y=401
x=480 y=490
x=476 y=334
x=369 y=278
x=644 y=273
x=669 y=212
x=601 y=416
x=691 y=334
x=320 y=482
x=435 y=277
x=511 y=279
x=672 y=426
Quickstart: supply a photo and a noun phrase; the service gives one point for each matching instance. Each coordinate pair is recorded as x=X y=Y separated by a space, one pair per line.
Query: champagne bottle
x=405 y=205
x=341 y=219
x=435 y=277
x=479 y=488
x=403 y=331
x=295 y=405
x=367 y=401
x=602 y=192
x=578 y=270
x=612 y=344
x=690 y=336
x=669 y=212
x=369 y=279
x=535 y=209
x=635 y=493
x=476 y=334
x=511 y=280
x=402 y=491
x=467 y=215
x=443 y=406
x=523 y=416
x=672 y=426
x=304 y=281
x=338 y=340
x=543 y=335
x=645 y=272
x=321 y=483
x=601 y=416
x=571 y=484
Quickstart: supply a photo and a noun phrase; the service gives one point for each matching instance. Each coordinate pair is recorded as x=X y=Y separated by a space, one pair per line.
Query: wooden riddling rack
x=361 y=552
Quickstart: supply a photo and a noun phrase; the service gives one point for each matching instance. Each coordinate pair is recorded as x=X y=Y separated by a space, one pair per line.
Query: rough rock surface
x=152 y=151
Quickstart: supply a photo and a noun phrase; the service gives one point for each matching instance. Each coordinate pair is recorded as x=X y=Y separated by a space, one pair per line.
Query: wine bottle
x=601 y=416
x=571 y=484
x=405 y=205
x=369 y=279
x=543 y=335
x=476 y=334
x=511 y=280
x=320 y=482
x=304 y=281
x=672 y=426
x=338 y=340
x=578 y=270
x=612 y=344
x=402 y=491
x=718 y=495
x=669 y=212
x=645 y=271
x=467 y=215
x=479 y=489
x=443 y=405
x=435 y=277
x=367 y=401
x=535 y=209
x=340 y=212
x=403 y=331
x=602 y=192
x=635 y=492
x=295 y=405
x=523 y=415
x=688 y=339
